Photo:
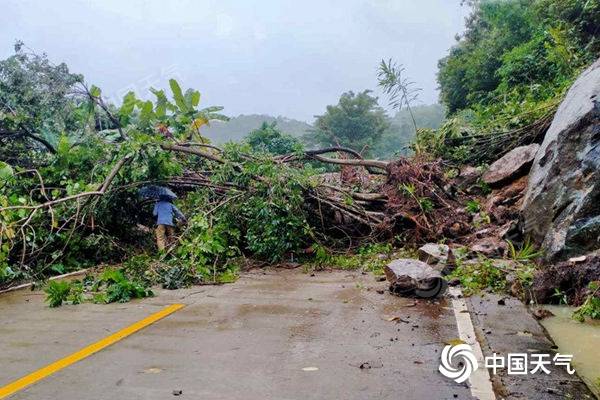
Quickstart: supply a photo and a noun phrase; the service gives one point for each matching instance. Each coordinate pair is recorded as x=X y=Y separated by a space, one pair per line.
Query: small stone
x=541 y=313
x=576 y=260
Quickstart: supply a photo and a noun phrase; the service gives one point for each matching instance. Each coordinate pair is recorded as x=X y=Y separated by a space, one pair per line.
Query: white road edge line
x=480 y=383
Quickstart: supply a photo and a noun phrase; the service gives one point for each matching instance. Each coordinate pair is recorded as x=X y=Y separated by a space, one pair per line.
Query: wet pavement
x=510 y=329
x=274 y=334
x=260 y=338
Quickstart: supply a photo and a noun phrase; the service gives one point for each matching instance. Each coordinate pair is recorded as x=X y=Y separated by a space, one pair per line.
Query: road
x=274 y=334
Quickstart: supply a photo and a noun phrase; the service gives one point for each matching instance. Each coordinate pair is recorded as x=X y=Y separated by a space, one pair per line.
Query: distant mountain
x=238 y=127
x=397 y=139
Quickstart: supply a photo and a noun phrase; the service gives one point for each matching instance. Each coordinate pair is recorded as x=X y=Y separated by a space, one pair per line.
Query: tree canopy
x=270 y=139
x=357 y=121
x=514 y=50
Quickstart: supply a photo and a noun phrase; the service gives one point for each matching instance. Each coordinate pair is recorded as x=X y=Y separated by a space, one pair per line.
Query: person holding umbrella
x=164 y=211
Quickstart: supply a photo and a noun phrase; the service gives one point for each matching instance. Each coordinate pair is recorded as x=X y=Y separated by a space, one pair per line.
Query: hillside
x=401 y=133
x=238 y=127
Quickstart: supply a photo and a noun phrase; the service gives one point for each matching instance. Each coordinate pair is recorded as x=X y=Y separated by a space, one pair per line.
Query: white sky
x=277 y=57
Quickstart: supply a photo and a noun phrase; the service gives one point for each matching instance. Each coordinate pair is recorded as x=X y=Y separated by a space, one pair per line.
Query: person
x=164 y=211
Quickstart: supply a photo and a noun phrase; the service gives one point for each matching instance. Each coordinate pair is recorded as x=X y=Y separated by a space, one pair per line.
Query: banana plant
x=181 y=117
x=178 y=118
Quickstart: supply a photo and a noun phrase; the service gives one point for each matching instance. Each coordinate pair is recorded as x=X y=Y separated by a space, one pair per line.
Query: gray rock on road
x=410 y=277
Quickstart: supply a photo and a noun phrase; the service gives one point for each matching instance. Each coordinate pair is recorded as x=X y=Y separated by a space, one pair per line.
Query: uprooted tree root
x=422 y=202
x=413 y=201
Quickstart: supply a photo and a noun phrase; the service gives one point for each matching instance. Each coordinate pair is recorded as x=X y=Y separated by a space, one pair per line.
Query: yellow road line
x=85 y=352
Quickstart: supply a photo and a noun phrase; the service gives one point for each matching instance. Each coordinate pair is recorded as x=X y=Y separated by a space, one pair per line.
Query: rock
x=433 y=253
x=561 y=205
x=439 y=256
x=409 y=277
x=514 y=164
x=467 y=179
x=576 y=260
x=541 y=313
x=505 y=204
x=489 y=247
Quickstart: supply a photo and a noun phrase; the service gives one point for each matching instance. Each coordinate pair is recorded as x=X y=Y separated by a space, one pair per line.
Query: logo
x=431 y=288
x=458 y=362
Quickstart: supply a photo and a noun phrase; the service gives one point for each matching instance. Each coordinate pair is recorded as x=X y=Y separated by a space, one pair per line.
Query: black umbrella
x=156 y=192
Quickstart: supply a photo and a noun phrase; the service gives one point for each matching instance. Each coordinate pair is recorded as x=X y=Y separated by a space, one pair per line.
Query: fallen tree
x=72 y=202
x=406 y=198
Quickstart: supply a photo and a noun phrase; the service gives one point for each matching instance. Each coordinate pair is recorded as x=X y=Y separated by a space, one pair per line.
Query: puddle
x=581 y=340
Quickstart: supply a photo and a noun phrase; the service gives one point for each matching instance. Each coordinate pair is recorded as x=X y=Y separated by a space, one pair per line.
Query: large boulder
x=512 y=165
x=410 y=277
x=561 y=209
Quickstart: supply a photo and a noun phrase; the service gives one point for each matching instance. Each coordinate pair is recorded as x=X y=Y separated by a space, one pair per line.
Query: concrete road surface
x=274 y=334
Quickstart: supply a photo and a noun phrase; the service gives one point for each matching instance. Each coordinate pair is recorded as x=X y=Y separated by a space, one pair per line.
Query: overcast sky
x=277 y=57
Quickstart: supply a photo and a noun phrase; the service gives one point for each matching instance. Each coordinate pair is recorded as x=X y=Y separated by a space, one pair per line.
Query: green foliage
x=118 y=288
x=371 y=257
x=111 y=286
x=518 y=49
x=57 y=293
x=425 y=204
x=357 y=121
x=267 y=221
x=489 y=274
x=6 y=172
x=473 y=206
x=526 y=252
x=591 y=306
x=37 y=100
x=269 y=139
x=510 y=68
x=204 y=251
x=562 y=297
x=477 y=276
x=68 y=143
x=400 y=89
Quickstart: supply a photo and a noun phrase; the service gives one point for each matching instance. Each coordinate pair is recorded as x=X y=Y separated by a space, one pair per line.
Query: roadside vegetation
x=507 y=74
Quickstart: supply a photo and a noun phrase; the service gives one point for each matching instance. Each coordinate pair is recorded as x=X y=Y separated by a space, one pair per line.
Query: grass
x=527 y=252
x=489 y=274
x=372 y=258
x=480 y=275
x=591 y=306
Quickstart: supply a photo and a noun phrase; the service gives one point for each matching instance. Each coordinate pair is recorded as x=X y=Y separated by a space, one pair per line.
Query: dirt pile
x=422 y=200
x=566 y=281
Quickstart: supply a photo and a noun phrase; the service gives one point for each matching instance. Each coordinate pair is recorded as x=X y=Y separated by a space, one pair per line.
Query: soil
x=567 y=278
